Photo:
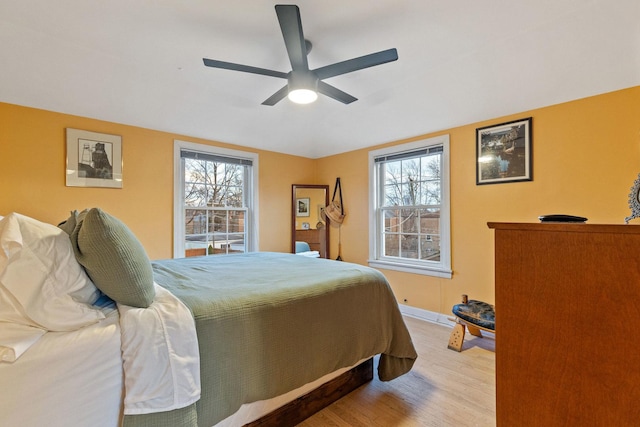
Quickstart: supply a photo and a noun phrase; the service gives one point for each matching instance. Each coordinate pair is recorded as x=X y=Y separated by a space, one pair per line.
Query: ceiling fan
x=303 y=84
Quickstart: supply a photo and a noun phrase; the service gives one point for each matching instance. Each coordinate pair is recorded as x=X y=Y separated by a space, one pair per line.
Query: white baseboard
x=426 y=315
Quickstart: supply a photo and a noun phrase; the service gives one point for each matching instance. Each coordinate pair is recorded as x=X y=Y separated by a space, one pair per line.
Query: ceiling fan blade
x=291 y=26
x=246 y=68
x=355 y=64
x=277 y=97
x=335 y=93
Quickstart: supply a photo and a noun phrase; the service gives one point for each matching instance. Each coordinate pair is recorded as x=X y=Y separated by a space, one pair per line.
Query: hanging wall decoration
x=634 y=201
x=93 y=159
x=503 y=153
x=335 y=212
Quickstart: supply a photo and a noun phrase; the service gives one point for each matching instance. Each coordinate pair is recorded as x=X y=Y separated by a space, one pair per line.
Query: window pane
x=393 y=195
x=194 y=170
x=430 y=193
x=430 y=221
x=227 y=185
x=236 y=243
x=410 y=191
x=409 y=246
x=409 y=221
x=392 y=172
x=195 y=195
x=431 y=167
x=392 y=184
x=219 y=222
x=411 y=170
x=392 y=245
x=234 y=196
x=218 y=188
x=195 y=221
x=430 y=247
x=195 y=245
x=391 y=221
x=220 y=242
x=236 y=221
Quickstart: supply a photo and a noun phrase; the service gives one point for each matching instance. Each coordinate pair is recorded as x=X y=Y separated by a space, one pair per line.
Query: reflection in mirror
x=309 y=227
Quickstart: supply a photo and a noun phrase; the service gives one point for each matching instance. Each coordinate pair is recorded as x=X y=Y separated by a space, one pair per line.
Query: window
x=409 y=207
x=214 y=209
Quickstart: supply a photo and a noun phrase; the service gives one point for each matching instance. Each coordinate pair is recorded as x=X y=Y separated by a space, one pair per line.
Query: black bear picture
x=94 y=159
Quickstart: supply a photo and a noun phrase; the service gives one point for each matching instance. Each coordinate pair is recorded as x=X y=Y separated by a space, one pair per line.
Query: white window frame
x=378 y=260
x=252 y=243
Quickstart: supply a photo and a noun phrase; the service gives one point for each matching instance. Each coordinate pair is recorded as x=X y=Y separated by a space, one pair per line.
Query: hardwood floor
x=444 y=388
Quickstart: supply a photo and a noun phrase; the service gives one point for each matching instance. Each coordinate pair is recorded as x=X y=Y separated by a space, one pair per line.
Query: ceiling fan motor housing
x=303 y=80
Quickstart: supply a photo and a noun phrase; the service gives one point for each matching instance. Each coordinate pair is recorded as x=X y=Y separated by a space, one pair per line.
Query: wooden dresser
x=567 y=304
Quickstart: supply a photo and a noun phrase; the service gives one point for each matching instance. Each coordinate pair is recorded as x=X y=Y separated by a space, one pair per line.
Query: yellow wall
x=32 y=178
x=586 y=155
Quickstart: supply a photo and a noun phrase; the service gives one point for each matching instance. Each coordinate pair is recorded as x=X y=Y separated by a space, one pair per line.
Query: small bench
x=478 y=316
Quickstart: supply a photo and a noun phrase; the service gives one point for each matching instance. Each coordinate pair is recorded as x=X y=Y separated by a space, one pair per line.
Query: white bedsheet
x=160 y=355
x=66 y=379
x=15 y=339
x=90 y=377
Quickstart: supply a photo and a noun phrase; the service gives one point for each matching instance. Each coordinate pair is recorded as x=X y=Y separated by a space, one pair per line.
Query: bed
x=239 y=335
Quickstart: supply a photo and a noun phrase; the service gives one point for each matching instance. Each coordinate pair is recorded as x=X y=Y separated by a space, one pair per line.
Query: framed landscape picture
x=503 y=153
x=302 y=207
x=93 y=159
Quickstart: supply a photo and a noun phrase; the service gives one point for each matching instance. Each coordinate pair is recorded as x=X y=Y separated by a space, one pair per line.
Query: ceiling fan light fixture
x=302 y=96
x=303 y=87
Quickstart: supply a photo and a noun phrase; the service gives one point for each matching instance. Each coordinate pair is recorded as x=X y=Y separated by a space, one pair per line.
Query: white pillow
x=41 y=282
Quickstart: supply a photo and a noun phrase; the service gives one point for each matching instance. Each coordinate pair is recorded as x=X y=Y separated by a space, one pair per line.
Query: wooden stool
x=478 y=316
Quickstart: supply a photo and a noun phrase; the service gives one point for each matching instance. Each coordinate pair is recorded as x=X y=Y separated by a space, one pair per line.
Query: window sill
x=411 y=268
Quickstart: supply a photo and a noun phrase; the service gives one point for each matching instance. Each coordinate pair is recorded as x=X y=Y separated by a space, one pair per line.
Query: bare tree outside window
x=409 y=226
x=411 y=207
x=215 y=208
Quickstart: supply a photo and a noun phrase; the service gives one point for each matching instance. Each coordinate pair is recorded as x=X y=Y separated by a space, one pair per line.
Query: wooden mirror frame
x=294 y=188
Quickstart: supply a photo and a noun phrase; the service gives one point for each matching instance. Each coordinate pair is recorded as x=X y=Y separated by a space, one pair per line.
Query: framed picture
x=302 y=207
x=93 y=159
x=503 y=153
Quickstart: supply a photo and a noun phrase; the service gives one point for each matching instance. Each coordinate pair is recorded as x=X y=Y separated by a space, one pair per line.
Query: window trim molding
x=178 y=192
x=441 y=269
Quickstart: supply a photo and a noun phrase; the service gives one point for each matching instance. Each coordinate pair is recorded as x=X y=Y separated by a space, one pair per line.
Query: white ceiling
x=460 y=61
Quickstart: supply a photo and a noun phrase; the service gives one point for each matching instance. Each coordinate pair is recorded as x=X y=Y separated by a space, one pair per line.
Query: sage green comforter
x=269 y=322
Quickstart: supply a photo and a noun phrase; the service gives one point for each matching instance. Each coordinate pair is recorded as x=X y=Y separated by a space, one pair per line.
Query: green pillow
x=69 y=224
x=113 y=258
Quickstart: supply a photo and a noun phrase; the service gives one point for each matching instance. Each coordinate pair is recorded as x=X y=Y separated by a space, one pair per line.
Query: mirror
x=308 y=225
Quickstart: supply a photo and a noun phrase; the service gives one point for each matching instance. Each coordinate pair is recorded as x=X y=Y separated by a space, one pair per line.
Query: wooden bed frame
x=303 y=407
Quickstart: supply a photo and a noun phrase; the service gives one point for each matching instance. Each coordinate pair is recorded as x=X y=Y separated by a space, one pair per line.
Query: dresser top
x=566 y=227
